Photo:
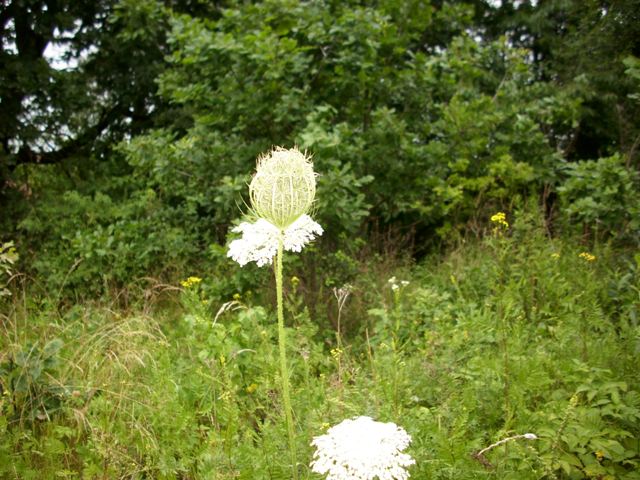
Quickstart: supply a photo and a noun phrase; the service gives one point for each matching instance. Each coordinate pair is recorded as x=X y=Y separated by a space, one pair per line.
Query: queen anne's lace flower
x=259 y=242
x=362 y=449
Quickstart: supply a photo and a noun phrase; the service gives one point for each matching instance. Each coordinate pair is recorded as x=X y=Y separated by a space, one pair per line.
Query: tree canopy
x=421 y=115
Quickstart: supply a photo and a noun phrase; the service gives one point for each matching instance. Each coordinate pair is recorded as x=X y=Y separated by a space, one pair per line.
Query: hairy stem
x=284 y=372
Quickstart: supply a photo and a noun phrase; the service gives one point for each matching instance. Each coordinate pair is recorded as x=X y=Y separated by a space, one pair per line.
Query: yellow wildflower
x=587 y=256
x=190 y=282
x=500 y=219
x=599 y=455
x=251 y=388
x=237 y=296
x=555 y=255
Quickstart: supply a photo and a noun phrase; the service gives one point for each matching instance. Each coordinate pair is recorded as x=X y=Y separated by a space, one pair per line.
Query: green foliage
x=8 y=256
x=582 y=44
x=26 y=380
x=415 y=123
x=98 y=242
x=422 y=118
x=603 y=194
x=633 y=70
x=513 y=334
x=468 y=118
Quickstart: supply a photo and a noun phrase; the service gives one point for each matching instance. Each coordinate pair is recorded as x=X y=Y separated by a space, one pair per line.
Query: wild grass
x=512 y=334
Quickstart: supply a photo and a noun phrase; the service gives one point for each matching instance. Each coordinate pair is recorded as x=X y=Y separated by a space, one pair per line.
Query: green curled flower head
x=283 y=187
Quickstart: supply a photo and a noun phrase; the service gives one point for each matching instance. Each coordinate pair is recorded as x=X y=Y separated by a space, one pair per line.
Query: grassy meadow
x=517 y=332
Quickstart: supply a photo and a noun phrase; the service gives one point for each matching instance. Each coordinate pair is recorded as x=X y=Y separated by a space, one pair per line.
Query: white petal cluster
x=362 y=449
x=301 y=232
x=259 y=241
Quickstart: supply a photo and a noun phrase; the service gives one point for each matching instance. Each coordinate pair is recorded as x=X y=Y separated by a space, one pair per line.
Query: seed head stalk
x=282 y=192
x=284 y=372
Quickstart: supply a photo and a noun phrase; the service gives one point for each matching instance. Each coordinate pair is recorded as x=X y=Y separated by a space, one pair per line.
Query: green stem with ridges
x=284 y=372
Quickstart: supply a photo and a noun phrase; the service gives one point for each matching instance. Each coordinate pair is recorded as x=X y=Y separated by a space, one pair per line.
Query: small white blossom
x=362 y=449
x=395 y=285
x=259 y=241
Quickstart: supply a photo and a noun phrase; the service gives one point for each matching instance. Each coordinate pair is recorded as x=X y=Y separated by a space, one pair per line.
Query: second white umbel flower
x=362 y=449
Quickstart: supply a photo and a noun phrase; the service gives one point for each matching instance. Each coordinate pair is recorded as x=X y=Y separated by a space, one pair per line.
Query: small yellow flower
x=237 y=296
x=500 y=219
x=190 y=282
x=295 y=281
x=336 y=353
x=587 y=256
x=599 y=455
x=555 y=255
x=251 y=388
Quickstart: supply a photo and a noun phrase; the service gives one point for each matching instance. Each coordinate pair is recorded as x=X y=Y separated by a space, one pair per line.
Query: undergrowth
x=512 y=334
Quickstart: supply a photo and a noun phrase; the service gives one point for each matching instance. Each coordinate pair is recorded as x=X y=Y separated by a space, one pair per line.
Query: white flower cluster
x=396 y=285
x=362 y=449
x=259 y=242
x=301 y=232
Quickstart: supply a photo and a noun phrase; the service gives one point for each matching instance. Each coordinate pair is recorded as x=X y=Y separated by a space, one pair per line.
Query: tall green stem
x=284 y=372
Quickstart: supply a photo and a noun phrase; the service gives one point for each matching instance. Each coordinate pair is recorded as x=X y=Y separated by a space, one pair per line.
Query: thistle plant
x=282 y=192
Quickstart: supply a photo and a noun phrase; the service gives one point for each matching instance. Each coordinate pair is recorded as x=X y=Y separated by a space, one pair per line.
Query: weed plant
x=514 y=333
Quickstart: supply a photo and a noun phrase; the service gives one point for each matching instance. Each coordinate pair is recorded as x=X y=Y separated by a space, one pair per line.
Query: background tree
x=422 y=116
x=581 y=46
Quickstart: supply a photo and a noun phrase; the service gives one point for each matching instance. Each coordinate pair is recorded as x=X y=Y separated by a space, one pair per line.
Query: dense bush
x=603 y=195
x=406 y=131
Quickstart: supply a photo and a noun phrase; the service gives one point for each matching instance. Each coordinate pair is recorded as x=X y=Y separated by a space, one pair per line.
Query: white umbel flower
x=259 y=242
x=362 y=449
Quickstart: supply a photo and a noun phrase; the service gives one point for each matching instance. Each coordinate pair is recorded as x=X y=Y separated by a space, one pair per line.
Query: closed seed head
x=283 y=187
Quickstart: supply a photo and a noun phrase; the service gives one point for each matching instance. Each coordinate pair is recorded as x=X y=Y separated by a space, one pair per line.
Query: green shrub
x=602 y=195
